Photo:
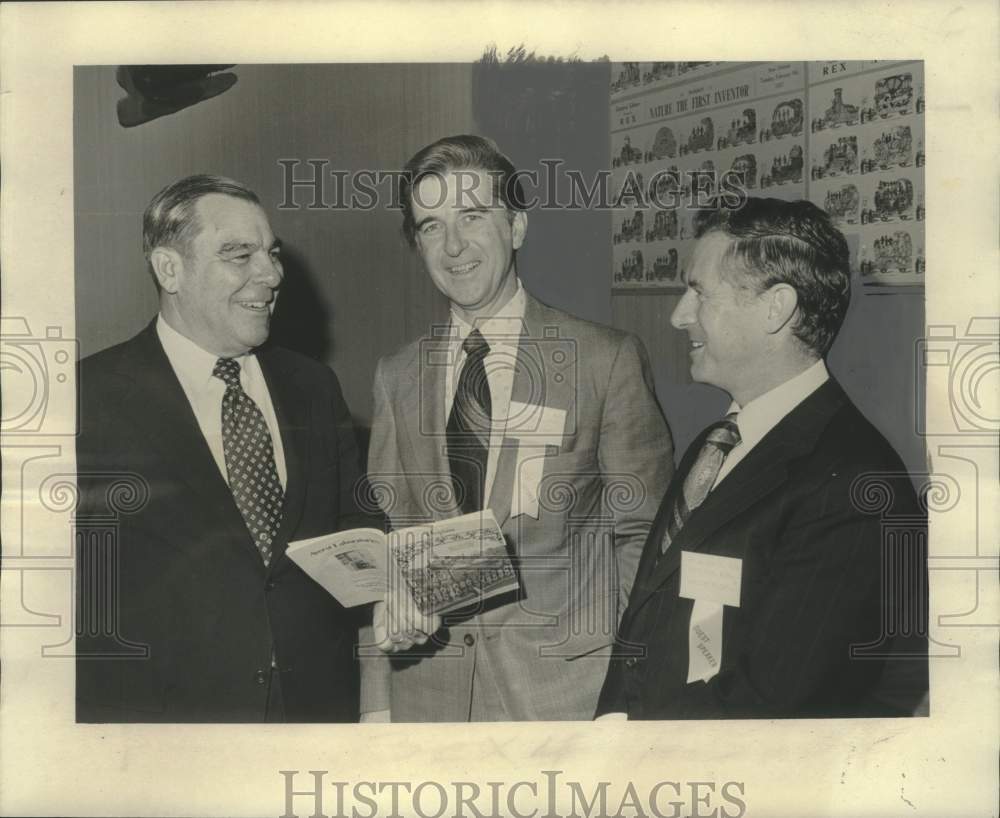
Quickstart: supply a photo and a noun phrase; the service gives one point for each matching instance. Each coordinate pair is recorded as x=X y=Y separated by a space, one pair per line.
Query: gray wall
x=874 y=358
x=354 y=291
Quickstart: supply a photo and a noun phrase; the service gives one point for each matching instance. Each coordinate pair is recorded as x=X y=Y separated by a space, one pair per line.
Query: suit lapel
x=762 y=471
x=421 y=413
x=653 y=569
x=159 y=406
x=291 y=407
x=528 y=388
x=422 y=406
x=502 y=493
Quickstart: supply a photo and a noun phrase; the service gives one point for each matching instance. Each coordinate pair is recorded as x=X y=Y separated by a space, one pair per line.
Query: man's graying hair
x=170 y=219
x=794 y=243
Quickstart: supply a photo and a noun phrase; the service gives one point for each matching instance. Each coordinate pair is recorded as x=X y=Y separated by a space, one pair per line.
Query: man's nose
x=268 y=271
x=454 y=241
x=683 y=314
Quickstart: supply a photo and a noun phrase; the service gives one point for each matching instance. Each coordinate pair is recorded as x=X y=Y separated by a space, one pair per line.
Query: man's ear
x=168 y=266
x=782 y=304
x=519 y=228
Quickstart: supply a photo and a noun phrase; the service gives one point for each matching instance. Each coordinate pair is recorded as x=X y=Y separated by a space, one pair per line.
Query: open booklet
x=444 y=566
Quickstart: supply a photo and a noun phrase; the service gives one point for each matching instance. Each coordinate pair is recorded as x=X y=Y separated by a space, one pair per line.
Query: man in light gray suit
x=547 y=420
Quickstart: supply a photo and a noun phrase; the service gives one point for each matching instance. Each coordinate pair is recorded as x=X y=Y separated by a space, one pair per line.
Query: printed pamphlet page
x=444 y=566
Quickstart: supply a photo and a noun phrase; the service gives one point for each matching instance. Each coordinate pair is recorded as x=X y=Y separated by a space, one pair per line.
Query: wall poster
x=847 y=135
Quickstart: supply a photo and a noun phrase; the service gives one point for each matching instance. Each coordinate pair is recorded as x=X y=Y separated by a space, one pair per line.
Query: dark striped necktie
x=719 y=442
x=468 y=431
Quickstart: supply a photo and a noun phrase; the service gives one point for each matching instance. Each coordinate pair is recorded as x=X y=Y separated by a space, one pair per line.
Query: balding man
x=242 y=447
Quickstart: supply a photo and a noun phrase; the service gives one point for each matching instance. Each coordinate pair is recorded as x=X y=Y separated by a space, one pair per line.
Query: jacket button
x=260 y=677
x=270 y=585
x=469 y=639
x=631 y=662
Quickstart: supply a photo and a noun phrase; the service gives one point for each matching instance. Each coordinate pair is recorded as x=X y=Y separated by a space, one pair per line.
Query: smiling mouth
x=256 y=306
x=463 y=269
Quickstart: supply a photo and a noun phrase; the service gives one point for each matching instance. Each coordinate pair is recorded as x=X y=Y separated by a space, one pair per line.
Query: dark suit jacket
x=176 y=575
x=805 y=511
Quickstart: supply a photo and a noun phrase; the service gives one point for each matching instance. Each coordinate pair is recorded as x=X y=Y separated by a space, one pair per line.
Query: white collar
x=763 y=413
x=192 y=363
x=503 y=327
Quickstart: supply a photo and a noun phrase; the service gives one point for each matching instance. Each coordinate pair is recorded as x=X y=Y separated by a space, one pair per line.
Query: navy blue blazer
x=195 y=615
x=829 y=587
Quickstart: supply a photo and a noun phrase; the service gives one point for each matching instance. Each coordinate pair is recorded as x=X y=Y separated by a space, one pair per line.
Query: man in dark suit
x=764 y=586
x=229 y=449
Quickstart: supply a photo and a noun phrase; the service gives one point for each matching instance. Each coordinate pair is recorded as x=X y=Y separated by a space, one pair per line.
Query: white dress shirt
x=502 y=332
x=763 y=413
x=193 y=367
x=754 y=421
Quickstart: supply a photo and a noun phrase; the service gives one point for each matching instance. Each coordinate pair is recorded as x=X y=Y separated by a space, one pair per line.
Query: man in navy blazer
x=769 y=585
x=192 y=612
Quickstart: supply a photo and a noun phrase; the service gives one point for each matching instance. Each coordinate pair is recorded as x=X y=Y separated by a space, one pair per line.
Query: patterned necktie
x=468 y=431
x=721 y=439
x=253 y=475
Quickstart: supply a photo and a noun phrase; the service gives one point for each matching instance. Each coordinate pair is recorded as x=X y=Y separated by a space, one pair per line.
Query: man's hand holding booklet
x=424 y=571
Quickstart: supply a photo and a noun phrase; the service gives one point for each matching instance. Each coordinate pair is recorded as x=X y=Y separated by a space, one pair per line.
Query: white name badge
x=532 y=422
x=708 y=578
x=712 y=582
x=535 y=428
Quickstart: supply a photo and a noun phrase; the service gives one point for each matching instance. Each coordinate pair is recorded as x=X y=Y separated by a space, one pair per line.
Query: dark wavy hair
x=794 y=243
x=461 y=152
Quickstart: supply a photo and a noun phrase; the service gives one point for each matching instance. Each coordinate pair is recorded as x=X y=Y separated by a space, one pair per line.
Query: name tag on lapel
x=712 y=582
x=708 y=578
x=535 y=428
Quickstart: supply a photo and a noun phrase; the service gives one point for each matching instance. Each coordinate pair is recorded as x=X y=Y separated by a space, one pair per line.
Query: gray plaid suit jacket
x=543 y=653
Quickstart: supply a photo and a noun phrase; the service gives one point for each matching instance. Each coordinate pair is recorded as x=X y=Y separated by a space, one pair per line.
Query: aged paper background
x=942 y=765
